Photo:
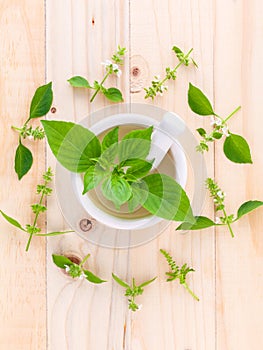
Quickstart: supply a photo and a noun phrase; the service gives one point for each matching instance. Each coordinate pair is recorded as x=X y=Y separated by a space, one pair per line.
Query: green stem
x=35 y=220
x=17 y=129
x=190 y=291
x=26 y=121
x=84 y=260
x=175 y=69
x=228 y=224
x=231 y=114
x=98 y=89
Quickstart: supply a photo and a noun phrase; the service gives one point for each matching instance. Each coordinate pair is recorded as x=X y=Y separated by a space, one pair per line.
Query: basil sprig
x=119 y=167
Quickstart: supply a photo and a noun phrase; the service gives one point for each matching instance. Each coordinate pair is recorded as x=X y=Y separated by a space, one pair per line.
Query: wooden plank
x=22 y=275
x=170 y=319
x=239 y=54
x=79 y=37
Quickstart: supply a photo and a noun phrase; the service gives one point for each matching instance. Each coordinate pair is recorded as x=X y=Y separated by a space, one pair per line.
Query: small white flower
x=215 y=121
x=82 y=276
x=116 y=70
x=30 y=137
x=163 y=88
x=225 y=131
x=217 y=220
x=118 y=73
x=107 y=63
x=67 y=268
x=139 y=307
x=221 y=194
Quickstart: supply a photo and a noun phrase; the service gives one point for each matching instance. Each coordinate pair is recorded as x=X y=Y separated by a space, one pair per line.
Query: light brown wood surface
x=42 y=308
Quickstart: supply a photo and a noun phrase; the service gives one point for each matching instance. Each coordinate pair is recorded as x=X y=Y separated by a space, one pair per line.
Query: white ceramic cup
x=161 y=143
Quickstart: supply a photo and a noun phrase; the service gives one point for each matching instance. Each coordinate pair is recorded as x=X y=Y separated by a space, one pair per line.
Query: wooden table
x=41 y=308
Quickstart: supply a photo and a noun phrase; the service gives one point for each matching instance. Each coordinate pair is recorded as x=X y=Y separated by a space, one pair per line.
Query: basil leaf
x=116 y=190
x=119 y=281
x=201 y=222
x=92 y=177
x=144 y=284
x=108 y=157
x=110 y=138
x=201 y=131
x=113 y=94
x=136 y=198
x=198 y=102
x=41 y=102
x=137 y=167
x=135 y=144
x=166 y=198
x=61 y=261
x=144 y=134
x=23 y=160
x=12 y=221
x=177 y=50
x=73 y=145
x=237 y=149
x=247 y=207
x=80 y=82
x=217 y=135
x=92 y=278
x=50 y=234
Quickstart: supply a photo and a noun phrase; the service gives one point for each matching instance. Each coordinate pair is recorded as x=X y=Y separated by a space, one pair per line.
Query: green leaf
x=217 y=135
x=200 y=223
x=144 y=134
x=120 y=282
x=113 y=94
x=201 y=131
x=92 y=177
x=61 y=261
x=135 y=144
x=92 y=278
x=237 y=149
x=89 y=179
x=110 y=138
x=165 y=198
x=73 y=145
x=147 y=282
x=23 y=160
x=80 y=82
x=137 y=167
x=198 y=102
x=12 y=221
x=247 y=207
x=177 y=50
x=116 y=190
x=41 y=102
x=136 y=198
x=51 y=234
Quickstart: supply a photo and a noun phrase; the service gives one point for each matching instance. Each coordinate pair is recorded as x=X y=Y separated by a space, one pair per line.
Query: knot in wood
x=86 y=224
x=135 y=71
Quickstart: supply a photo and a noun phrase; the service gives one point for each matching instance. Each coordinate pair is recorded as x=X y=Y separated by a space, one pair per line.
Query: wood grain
x=226 y=37
x=82 y=315
x=177 y=321
x=22 y=275
x=239 y=260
